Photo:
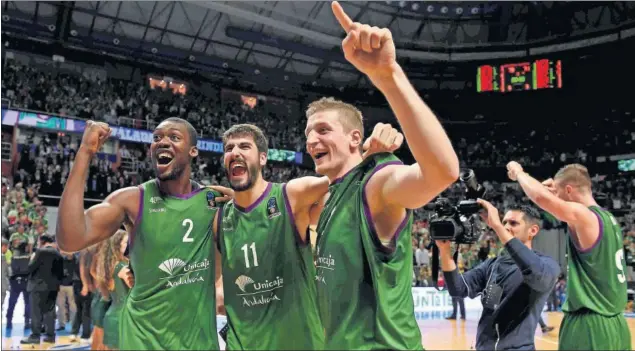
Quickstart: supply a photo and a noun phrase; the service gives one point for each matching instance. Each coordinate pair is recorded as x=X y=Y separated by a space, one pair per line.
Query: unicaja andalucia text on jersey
x=262 y=288
x=188 y=277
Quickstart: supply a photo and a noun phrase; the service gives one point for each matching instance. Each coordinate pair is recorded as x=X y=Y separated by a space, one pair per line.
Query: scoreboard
x=539 y=74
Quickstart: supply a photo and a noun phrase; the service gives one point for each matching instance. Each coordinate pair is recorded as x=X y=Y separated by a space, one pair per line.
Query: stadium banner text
x=62 y=124
x=433 y=300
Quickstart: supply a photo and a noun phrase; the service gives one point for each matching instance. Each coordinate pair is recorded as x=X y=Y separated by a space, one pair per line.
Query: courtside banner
x=433 y=300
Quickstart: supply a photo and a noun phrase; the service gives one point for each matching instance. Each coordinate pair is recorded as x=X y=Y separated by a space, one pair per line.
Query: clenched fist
x=385 y=138
x=95 y=135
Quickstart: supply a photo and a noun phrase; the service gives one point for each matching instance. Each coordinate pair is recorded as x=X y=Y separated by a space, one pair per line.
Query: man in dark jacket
x=46 y=271
x=18 y=279
x=513 y=287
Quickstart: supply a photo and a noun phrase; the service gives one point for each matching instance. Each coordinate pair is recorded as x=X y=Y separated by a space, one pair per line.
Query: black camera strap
x=435 y=264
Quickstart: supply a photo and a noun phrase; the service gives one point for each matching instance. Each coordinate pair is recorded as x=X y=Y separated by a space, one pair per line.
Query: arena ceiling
x=300 y=40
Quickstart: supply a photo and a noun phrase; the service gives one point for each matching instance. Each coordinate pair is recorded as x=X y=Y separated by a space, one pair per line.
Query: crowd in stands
x=45 y=159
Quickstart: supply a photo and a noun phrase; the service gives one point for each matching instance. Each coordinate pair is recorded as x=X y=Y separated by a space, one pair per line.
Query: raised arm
x=372 y=51
x=581 y=219
x=77 y=229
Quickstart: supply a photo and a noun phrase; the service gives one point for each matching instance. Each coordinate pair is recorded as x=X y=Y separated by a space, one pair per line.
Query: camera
x=458 y=223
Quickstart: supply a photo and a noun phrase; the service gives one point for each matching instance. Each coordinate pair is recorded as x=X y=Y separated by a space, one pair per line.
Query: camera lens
x=466 y=175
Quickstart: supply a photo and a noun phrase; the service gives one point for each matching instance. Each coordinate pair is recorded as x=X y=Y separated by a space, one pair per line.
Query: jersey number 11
x=253 y=251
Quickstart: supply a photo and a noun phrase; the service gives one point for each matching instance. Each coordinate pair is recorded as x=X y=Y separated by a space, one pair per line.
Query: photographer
x=514 y=286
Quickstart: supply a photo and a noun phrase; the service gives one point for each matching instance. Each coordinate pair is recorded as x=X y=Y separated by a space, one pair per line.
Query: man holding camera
x=513 y=287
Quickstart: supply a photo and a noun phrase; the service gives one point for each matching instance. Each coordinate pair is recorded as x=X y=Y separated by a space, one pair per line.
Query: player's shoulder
x=124 y=195
x=383 y=162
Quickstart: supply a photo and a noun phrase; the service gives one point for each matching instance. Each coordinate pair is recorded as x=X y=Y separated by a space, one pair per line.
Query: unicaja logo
x=242 y=282
x=170 y=265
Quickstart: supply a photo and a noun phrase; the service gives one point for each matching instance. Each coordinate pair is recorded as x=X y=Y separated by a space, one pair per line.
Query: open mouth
x=319 y=155
x=164 y=158
x=238 y=169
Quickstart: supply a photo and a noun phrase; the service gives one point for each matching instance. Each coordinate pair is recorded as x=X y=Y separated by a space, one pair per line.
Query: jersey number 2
x=190 y=225
x=253 y=252
x=619 y=256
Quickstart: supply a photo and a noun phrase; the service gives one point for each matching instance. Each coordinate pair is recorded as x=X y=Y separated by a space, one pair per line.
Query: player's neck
x=587 y=200
x=176 y=187
x=246 y=198
x=353 y=161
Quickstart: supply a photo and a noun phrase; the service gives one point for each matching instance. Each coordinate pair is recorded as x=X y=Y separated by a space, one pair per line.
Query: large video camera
x=457 y=223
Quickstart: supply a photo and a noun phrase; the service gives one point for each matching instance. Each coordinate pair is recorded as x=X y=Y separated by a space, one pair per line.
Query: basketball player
x=268 y=268
x=171 y=244
x=364 y=246
x=596 y=280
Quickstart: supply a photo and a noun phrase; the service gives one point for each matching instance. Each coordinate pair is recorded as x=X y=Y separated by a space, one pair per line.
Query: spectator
x=66 y=308
x=46 y=271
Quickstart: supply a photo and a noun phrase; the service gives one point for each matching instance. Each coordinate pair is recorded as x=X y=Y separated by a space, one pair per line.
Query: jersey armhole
x=218 y=228
x=287 y=206
x=576 y=241
x=379 y=245
x=137 y=222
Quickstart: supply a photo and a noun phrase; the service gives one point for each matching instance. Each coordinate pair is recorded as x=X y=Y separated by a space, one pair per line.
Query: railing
x=129 y=164
x=6 y=151
x=135 y=123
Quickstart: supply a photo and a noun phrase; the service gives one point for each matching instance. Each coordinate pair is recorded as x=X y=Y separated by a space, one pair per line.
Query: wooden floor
x=437 y=333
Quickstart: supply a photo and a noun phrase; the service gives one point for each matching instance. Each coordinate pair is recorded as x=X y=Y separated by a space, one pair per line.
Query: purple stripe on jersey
x=137 y=222
x=287 y=205
x=339 y=180
x=369 y=216
x=256 y=203
x=219 y=221
x=597 y=241
x=187 y=196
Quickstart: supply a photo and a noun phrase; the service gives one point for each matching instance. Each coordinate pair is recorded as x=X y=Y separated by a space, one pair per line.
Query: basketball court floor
x=437 y=332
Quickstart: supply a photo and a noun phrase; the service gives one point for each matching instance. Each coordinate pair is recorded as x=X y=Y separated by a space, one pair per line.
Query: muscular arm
x=77 y=229
x=306 y=191
x=437 y=165
x=398 y=187
x=577 y=216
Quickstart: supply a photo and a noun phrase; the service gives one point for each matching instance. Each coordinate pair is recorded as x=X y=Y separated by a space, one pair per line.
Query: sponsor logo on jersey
x=211 y=200
x=227 y=224
x=156 y=199
x=182 y=273
x=157 y=210
x=323 y=264
x=272 y=208
x=258 y=293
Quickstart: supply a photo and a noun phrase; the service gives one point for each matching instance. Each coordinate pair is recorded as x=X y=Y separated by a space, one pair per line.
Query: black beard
x=174 y=174
x=252 y=171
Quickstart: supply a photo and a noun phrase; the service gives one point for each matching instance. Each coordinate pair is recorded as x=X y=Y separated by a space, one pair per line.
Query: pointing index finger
x=345 y=21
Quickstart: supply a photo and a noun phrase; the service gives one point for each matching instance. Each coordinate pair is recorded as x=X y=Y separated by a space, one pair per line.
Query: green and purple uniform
x=596 y=291
x=268 y=277
x=172 y=254
x=364 y=287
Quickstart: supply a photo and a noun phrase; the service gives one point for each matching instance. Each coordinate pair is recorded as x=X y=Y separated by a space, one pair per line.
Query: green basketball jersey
x=268 y=277
x=596 y=278
x=173 y=301
x=364 y=288
x=111 y=319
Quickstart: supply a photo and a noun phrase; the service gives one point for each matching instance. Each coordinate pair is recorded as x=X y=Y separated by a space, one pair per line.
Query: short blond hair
x=575 y=175
x=350 y=117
